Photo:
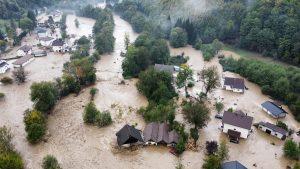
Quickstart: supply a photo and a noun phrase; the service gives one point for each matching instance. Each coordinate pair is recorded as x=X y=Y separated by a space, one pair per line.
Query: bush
x=190 y=84
x=211 y=147
x=93 y=92
x=6 y=80
x=219 y=106
x=158 y=112
x=35 y=125
x=103 y=119
x=20 y=75
x=44 y=94
x=291 y=150
x=178 y=37
x=5 y=140
x=297 y=166
x=11 y=160
x=194 y=134
x=282 y=125
x=180 y=146
x=70 y=85
x=90 y=113
x=212 y=162
x=50 y=162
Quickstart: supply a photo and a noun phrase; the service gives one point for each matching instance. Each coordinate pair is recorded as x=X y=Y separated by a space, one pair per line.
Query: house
x=46 y=41
x=237 y=125
x=232 y=165
x=59 y=45
x=155 y=133
x=24 y=50
x=21 y=62
x=273 y=109
x=41 y=32
x=273 y=130
x=39 y=53
x=165 y=68
x=4 y=66
x=234 y=84
x=128 y=135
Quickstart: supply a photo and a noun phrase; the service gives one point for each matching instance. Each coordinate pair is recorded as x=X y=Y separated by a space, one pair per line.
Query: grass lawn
x=241 y=52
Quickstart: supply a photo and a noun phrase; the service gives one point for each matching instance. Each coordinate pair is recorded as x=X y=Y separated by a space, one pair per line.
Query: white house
x=46 y=41
x=236 y=125
x=273 y=109
x=273 y=130
x=21 y=62
x=59 y=45
x=4 y=66
x=24 y=50
x=41 y=32
x=234 y=84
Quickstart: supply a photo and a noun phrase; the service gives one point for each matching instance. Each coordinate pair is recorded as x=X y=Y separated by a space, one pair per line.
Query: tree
x=126 y=40
x=90 y=113
x=212 y=162
x=11 y=160
x=282 y=125
x=44 y=95
x=210 y=78
x=196 y=113
x=103 y=119
x=20 y=75
x=93 y=92
x=185 y=74
x=35 y=125
x=291 y=150
x=31 y=15
x=194 y=134
x=6 y=80
x=219 y=106
x=26 y=24
x=211 y=147
x=178 y=37
x=50 y=162
x=76 y=23
x=223 y=151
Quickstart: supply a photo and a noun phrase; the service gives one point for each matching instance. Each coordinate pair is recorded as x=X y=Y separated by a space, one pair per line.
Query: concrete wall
x=244 y=132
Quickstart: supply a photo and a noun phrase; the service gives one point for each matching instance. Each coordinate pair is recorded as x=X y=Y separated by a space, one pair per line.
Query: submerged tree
x=196 y=113
x=20 y=75
x=210 y=78
x=50 y=162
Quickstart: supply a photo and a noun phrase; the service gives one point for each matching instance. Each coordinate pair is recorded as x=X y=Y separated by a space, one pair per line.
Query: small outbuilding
x=233 y=165
x=273 y=109
x=237 y=125
x=273 y=130
x=234 y=84
x=24 y=50
x=21 y=62
x=4 y=66
x=129 y=135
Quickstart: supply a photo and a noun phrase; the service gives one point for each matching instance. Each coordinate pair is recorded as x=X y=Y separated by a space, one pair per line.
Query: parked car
x=218 y=116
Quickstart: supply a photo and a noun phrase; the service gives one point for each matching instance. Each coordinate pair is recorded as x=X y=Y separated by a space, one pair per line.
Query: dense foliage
x=291 y=150
x=158 y=112
x=35 y=125
x=92 y=116
x=144 y=52
x=196 y=113
x=156 y=86
x=280 y=82
x=178 y=37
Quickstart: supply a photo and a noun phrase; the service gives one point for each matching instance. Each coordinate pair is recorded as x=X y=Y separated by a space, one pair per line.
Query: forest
x=271 y=28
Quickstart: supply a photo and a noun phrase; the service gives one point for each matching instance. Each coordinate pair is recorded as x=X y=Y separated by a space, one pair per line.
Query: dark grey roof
x=151 y=132
x=236 y=83
x=23 y=60
x=128 y=134
x=173 y=137
x=163 y=135
x=46 y=38
x=273 y=108
x=237 y=119
x=166 y=68
x=274 y=128
x=25 y=48
x=3 y=63
x=58 y=42
x=233 y=165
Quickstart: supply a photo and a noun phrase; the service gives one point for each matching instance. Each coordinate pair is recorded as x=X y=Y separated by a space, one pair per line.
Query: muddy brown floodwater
x=79 y=146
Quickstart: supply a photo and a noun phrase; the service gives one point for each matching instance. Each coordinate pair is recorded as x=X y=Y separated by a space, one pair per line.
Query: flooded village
x=78 y=146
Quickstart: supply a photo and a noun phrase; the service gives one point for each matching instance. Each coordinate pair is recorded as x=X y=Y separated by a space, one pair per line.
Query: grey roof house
x=232 y=165
x=159 y=133
x=234 y=84
x=151 y=132
x=273 y=109
x=273 y=130
x=128 y=135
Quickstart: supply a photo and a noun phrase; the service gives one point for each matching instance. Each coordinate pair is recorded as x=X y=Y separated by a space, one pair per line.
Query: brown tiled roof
x=237 y=119
x=236 y=83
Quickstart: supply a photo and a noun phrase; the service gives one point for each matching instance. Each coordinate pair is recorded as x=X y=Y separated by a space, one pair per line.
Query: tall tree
x=196 y=113
x=210 y=78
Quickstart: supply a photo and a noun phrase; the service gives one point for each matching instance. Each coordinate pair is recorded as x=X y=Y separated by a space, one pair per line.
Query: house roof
x=273 y=108
x=236 y=83
x=128 y=134
x=46 y=38
x=274 y=128
x=166 y=68
x=237 y=119
x=58 y=42
x=3 y=63
x=173 y=137
x=23 y=60
x=233 y=165
x=163 y=135
x=151 y=132
x=25 y=48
